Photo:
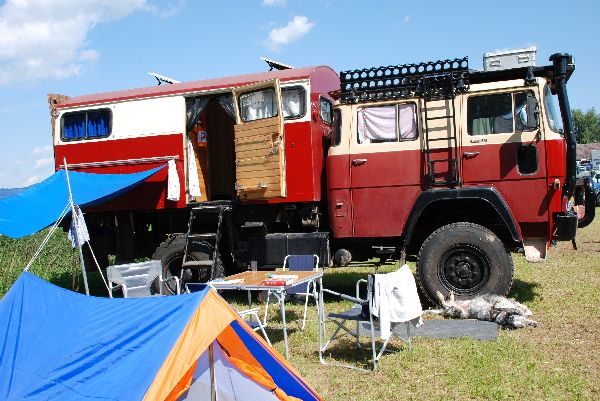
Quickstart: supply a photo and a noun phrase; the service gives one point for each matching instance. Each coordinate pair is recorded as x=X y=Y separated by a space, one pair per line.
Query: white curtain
x=408 y=121
x=377 y=124
x=257 y=105
x=291 y=101
x=193 y=180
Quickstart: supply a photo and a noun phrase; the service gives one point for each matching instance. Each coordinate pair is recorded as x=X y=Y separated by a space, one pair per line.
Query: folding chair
x=135 y=279
x=361 y=314
x=250 y=316
x=299 y=263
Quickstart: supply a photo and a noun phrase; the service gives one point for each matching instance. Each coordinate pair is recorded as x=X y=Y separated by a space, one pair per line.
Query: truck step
x=197 y=264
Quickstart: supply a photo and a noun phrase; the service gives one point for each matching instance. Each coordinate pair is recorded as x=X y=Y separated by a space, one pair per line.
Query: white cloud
x=47 y=38
x=170 y=9
x=42 y=150
x=34 y=179
x=293 y=31
x=274 y=2
x=407 y=18
x=44 y=162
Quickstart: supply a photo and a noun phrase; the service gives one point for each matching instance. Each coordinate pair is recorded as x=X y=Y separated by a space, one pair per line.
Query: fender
x=487 y=194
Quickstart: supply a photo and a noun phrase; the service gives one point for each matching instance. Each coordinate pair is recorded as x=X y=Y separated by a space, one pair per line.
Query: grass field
x=558 y=360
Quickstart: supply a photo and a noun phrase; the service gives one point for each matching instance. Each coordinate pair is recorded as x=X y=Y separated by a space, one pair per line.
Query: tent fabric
x=61 y=345
x=40 y=205
x=231 y=383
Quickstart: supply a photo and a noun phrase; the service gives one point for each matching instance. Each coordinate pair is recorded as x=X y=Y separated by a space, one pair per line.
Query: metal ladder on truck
x=205 y=213
x=430 y=81
x=442 y=87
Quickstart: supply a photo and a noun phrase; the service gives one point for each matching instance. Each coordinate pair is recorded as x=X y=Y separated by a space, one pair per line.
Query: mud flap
x=535 y=249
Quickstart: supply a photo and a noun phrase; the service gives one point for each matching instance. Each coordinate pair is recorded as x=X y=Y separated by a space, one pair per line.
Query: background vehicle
x=429 y=159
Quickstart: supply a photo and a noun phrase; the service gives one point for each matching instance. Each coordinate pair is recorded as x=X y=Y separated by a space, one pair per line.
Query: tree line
x=587 y=125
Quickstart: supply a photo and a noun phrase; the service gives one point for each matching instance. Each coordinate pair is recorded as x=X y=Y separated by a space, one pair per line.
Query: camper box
x=255 y=137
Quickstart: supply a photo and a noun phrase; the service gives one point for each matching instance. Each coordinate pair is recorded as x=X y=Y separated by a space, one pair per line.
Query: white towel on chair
x=395 y=300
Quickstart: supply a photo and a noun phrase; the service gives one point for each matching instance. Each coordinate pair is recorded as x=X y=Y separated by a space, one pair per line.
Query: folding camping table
x=254 y=281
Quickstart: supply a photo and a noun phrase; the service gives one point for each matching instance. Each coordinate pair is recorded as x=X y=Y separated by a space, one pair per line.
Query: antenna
x=162 y=78
x=276 y=65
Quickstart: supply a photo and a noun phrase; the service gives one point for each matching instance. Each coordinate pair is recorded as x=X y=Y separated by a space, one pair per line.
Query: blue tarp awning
x=40 y=205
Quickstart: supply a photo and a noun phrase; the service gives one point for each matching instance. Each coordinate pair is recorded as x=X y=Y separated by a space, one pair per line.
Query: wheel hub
x=464 y=269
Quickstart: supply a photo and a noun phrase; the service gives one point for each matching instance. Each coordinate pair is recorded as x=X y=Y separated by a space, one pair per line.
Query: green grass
x=558 y=360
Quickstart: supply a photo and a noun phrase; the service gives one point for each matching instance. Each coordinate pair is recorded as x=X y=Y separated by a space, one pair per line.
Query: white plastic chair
x=135 y=279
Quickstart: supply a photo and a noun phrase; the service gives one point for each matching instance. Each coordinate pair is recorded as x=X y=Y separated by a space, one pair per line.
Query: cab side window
x=391 y=123
x=500 y=113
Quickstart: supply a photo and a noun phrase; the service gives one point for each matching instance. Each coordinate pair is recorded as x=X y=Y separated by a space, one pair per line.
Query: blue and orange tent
x=60 y=345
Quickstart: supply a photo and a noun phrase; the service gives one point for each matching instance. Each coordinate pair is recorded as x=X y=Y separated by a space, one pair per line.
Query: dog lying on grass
x=494 y=308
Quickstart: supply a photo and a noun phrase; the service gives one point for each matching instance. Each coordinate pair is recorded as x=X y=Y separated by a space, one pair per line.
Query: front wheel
x=465 y=259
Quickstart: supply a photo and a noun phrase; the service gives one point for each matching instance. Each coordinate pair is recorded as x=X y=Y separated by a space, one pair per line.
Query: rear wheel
x=466 y=259
x=170 y=253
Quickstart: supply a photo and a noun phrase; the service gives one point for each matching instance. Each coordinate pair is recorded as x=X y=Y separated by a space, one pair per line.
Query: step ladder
x=207 y=212
x=441 y=87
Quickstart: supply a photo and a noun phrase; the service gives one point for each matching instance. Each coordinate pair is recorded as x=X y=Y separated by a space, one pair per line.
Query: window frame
x=513 y=112
x=299 y=116
x=398 y=133
x=336 y=127
x=276 y=109
x=86 y=137
x=323 y=99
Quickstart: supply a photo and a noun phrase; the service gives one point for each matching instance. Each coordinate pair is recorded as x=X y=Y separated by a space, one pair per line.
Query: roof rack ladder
x=447 y=93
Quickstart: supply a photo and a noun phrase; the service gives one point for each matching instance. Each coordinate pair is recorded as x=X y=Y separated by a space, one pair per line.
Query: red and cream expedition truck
x=454 y=166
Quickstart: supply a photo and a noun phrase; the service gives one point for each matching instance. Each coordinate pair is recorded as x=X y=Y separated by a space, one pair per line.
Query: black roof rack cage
x=432 y=80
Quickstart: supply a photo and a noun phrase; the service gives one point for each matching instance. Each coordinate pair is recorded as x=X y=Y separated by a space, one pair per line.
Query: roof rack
x=440 y=79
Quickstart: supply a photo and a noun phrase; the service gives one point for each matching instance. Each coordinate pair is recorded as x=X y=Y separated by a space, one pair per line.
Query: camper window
x=326 y=111
x=293 y=102
x=89 y=124
x=258 y=104
x=550 y=101
x=490 y=114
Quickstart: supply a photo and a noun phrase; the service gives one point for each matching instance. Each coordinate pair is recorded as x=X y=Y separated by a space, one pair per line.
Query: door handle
x=470 y=154
x=358 y=162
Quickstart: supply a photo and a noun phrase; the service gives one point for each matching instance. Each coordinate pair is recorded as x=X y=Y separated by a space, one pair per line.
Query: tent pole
x=74 y=217
x=211 y=362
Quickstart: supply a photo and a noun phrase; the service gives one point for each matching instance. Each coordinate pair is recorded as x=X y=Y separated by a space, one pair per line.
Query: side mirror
x=532 y=111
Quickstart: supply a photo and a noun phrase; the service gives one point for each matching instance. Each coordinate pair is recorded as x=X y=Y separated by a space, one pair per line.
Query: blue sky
x=76 y=47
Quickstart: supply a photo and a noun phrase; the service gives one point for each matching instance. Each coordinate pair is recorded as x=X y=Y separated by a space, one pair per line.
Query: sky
x=76 y=47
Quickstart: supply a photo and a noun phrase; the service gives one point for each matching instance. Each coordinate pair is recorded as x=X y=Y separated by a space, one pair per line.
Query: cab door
x=259 y=141
x=502 y=147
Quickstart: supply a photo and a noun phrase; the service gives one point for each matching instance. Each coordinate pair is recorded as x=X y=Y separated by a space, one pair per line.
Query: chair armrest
x=346 y=297
x=177 y=284
x=112 y=288
x=358 y=283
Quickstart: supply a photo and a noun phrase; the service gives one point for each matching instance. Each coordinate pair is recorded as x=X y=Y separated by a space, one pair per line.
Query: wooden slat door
x=259 y=149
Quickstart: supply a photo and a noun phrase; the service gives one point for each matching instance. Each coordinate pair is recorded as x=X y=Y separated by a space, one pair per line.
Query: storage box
x=507 y=59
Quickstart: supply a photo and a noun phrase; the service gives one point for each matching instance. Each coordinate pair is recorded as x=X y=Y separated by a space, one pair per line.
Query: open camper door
x=259 y=141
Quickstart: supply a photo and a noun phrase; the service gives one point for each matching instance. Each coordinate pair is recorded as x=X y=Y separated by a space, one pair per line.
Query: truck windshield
x=551 y=103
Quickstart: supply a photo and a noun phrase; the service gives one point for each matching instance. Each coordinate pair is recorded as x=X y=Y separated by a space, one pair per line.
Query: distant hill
x=5 y=192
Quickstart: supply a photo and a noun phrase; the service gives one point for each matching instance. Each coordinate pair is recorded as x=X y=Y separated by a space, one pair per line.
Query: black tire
x=466 y=259
x=598 y=199
x=170 y=253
